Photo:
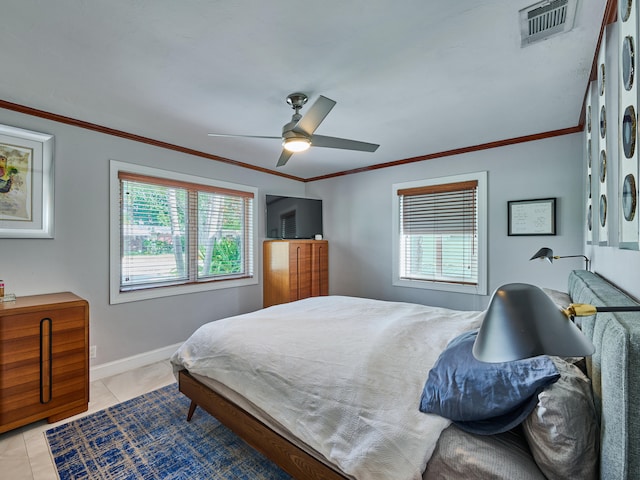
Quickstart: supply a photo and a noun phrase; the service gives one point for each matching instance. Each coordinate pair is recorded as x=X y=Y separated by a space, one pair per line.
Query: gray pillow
x=462 y=455
x=562 y=430
x=561 y=299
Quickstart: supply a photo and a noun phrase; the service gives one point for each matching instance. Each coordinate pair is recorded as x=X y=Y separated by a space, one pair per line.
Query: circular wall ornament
x=603 y=210
x=628 y=62
x=603 y=166
x=624 y=7
x=589 y=152
x=589 y=186
x=603 y=122
x=589 y=119
x=629 y=131
x=629 y=198
x=601 y=78
x=590 y=218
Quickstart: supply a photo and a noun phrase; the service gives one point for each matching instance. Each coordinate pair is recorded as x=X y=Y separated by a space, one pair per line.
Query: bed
x=312 y=438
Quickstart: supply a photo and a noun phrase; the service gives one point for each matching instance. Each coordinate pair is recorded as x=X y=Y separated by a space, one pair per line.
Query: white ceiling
x=416 y=76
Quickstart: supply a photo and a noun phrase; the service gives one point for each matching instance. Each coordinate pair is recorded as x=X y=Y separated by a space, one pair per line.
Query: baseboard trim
x=116 y=367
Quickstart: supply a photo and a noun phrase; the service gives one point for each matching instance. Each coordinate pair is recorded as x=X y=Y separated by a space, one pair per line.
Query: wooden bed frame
x=292 y=459
x=614 y=370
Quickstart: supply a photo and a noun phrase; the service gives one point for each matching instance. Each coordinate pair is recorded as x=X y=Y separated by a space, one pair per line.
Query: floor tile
x=14 y=459
x=136 y=382
x=42 y=467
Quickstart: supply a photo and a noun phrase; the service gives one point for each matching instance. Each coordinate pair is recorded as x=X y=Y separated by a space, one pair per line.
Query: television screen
x=293 y=217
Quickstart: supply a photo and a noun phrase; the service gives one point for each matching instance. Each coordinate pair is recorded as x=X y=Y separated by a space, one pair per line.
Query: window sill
x=117 y=296
x=441 y=286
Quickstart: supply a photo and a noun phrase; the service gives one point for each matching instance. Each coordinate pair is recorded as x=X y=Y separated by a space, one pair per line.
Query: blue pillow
x=484 y=398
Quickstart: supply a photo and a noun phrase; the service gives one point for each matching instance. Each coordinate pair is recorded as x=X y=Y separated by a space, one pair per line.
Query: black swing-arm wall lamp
x=546 y=253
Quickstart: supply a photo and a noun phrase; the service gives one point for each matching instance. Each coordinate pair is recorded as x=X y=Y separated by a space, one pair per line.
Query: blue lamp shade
x=522 y=322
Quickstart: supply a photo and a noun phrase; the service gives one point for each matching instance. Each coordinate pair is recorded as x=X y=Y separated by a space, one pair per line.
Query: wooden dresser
x=44 y=359
x=294 y=269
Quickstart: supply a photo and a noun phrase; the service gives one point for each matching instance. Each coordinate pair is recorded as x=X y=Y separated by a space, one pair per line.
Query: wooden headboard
x=615 y=373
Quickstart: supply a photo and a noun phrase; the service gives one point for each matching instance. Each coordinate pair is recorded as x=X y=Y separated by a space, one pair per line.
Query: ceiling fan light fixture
x=296 y=144
x=298 y=134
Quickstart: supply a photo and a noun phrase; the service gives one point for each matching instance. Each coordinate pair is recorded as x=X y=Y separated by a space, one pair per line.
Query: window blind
x=175 y=232
x=439 y=233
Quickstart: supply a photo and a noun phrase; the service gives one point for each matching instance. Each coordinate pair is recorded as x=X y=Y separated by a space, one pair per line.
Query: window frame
x=481 y=287
x=115 y=294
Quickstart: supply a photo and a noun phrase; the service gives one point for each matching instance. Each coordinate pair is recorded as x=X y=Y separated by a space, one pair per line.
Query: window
x=440 y=233
x=173 y=233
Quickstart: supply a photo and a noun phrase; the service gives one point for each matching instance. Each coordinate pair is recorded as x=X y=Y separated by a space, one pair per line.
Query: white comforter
x=343 y=374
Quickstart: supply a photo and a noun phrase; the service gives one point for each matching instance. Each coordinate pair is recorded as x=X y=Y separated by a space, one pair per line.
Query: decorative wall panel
x=600 y=161
x=628 y=108
x=588 y=154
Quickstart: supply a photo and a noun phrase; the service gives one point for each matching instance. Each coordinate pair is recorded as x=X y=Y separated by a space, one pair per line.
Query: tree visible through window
x=176 y=232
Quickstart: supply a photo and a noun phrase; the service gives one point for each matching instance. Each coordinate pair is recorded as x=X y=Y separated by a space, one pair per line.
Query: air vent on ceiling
x=547 y=18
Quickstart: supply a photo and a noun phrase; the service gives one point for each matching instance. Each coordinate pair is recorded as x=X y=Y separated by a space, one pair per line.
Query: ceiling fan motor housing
x=288 y=127
x=295 y=140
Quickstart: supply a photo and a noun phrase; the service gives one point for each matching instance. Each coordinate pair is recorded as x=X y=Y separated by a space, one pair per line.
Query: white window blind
x=439 y=233
x=175 y=232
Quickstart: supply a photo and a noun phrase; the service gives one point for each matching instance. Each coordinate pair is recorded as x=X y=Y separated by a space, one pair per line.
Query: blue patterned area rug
x=148 y=437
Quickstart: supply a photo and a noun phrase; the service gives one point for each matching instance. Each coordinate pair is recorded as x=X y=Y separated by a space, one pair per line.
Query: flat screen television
x=293 y=217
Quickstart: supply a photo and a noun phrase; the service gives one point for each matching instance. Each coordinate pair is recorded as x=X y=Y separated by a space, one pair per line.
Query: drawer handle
x=45 y=360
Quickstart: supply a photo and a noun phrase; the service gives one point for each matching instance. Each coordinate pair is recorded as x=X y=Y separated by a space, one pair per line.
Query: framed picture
x=532 y=217
x=26 y=183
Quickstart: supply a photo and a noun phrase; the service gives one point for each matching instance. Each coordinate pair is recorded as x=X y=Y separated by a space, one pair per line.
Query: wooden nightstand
x=44 y=359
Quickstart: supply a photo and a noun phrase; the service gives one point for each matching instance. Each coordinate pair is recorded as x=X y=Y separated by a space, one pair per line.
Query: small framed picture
x=26 y=183
x=532 y=217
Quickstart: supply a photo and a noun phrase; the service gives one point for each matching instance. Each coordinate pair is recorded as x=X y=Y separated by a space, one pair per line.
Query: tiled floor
x=24 y=453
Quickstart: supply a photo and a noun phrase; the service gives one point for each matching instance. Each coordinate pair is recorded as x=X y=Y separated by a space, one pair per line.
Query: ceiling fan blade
x=343 y=143
x=242 y=136
x=315 y=115
x=284 y=158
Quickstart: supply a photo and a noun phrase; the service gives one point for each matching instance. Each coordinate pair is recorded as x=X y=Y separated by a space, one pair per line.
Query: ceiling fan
x=297 y=135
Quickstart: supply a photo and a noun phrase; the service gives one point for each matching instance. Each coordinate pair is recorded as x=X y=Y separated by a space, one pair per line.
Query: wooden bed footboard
x=291 y=458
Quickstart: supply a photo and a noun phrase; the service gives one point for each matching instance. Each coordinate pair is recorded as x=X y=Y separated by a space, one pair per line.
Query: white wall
x=357 y=212
x=77 y=259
